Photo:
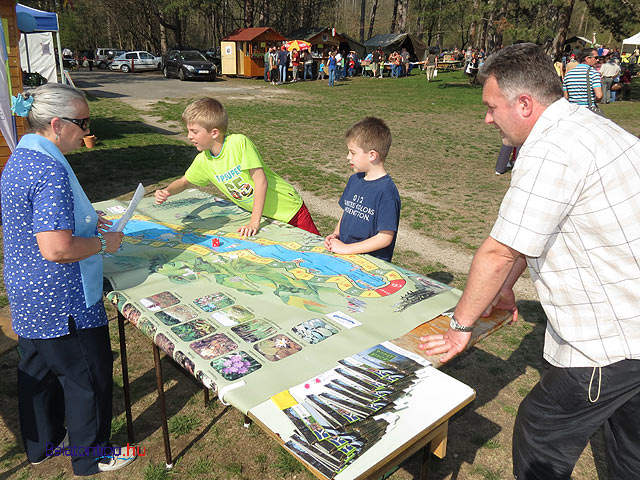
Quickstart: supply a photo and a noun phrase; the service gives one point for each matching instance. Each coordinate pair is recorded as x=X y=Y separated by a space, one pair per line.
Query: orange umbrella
x=298 y=45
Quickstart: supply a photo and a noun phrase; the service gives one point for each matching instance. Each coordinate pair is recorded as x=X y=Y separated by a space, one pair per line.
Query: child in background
x=370 y=201
x=232 y=163
x=352 y=67
x=321 y=71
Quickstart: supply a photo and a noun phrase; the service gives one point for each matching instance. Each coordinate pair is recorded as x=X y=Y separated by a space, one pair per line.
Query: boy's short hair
x=208 y=113
x=371 y=133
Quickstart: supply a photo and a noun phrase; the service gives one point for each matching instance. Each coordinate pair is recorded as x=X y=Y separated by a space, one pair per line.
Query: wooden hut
x=9 y=24
x=323 y=39
x=243 y=51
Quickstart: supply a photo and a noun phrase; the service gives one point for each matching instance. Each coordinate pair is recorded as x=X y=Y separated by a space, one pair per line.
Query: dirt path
x=456 y=259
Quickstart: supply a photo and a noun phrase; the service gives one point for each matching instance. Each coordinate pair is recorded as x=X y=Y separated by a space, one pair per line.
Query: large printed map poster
x=253 y=316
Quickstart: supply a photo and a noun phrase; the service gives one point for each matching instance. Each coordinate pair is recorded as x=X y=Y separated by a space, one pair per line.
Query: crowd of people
x=333 y=64
x=607 y=71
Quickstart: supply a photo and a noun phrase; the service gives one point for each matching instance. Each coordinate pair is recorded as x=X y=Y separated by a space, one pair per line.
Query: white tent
x=632 y=41
x=38 y=55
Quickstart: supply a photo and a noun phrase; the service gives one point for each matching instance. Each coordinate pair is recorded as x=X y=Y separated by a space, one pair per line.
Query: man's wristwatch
x=103 y=244
x=454 y=325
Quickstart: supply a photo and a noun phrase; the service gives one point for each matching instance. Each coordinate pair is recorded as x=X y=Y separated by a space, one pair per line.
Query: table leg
x=206 y=396
x=163 y=406
x=247 y=421
x=424 y=465
x=125 y=377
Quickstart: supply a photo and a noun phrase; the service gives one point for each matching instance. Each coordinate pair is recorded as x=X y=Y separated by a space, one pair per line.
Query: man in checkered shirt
x=572 y=213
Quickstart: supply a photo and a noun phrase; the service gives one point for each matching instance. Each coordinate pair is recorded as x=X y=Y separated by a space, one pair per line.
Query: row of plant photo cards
x=215 y=329
x=341 y=413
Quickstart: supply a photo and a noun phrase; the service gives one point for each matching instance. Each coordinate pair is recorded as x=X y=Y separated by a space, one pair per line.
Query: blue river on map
x=316 y=263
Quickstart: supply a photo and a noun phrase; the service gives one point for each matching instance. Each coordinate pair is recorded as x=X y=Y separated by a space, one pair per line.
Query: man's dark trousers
x=558 y=417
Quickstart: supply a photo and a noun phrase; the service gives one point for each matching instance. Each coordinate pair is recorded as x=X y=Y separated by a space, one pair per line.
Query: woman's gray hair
x=523 y=68
x=53 y=100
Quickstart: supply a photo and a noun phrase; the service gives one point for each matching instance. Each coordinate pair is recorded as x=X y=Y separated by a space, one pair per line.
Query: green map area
x=263 y=312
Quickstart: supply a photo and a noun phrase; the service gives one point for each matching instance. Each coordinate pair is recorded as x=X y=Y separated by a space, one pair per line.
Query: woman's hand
x=103 y=224
x=114 y=240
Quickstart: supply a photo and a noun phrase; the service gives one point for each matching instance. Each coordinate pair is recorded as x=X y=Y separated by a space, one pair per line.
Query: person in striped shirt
x=574 y=84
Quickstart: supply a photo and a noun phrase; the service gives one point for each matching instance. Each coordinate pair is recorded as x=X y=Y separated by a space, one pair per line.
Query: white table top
x=432 y=400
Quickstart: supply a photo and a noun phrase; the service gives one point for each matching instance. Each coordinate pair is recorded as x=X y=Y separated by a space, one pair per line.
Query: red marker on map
x=215 y=242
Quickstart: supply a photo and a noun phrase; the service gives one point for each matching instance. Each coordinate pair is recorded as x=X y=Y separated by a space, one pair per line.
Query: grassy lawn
x=442 y=160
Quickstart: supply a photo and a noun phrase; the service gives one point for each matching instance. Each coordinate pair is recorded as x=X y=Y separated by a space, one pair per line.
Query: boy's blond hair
x=371 y=133
x=208 y=113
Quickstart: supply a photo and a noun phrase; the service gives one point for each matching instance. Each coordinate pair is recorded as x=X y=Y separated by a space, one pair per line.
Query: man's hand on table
x=505 y=300
x=451 y=344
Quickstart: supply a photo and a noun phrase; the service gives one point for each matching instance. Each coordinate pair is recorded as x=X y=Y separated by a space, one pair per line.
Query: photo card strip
x=336 y=412
x=307 y=425
x=330 y=461
x=298 y=450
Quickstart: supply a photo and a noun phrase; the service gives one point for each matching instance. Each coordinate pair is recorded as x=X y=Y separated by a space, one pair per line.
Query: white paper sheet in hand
x=137 y=196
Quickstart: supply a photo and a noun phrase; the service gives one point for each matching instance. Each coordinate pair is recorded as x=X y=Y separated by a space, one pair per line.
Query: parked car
x=189 y=64
x=68 y=63
x=140 y=60
x=104 y=56
x=213 y=54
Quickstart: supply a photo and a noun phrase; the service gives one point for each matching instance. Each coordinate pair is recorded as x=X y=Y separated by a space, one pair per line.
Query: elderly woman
x=53 y=242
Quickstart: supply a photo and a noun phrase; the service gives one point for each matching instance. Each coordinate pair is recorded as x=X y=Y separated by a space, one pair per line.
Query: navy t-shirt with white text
x=369 y=207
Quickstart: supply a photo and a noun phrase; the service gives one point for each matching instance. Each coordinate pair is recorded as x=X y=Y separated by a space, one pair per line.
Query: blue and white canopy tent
x=33 y=22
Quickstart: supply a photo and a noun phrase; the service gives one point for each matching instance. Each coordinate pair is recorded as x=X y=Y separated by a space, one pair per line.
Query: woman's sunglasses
x=83 y=123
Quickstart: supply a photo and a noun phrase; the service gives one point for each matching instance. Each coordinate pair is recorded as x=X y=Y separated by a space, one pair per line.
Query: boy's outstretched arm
x=336 y=234
x=380 y=240
x=260 y=184
x=175 y=187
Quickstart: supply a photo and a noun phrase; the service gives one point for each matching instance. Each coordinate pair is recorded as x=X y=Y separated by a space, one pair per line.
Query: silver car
x=136 y=62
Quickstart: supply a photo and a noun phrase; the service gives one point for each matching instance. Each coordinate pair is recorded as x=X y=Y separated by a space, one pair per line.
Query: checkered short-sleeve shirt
x=36 y=197
x=573 y=209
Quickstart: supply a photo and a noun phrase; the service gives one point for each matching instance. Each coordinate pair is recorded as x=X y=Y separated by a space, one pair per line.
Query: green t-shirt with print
x=229 y=171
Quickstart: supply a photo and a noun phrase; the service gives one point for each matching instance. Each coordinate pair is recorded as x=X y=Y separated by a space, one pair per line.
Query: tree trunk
x=372 y=18
x=395 y=14
x=403 y=6
x=564 y=18
x=420 y=20
x=248 y=13
x=163 y=40
x=473 y=28
x=584 y=10
x=362 y=10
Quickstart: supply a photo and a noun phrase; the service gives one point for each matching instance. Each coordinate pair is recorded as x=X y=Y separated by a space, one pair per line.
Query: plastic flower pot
x=90 y=141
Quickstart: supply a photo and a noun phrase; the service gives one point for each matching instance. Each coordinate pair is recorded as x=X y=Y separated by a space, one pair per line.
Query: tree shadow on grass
x=107 y=173
x=460 y=85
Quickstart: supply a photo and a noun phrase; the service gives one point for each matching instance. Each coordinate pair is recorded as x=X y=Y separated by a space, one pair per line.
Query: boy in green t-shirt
x=232 y=163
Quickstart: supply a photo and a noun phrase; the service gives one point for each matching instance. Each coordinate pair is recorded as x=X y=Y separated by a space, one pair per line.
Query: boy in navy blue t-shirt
x=370 y=201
